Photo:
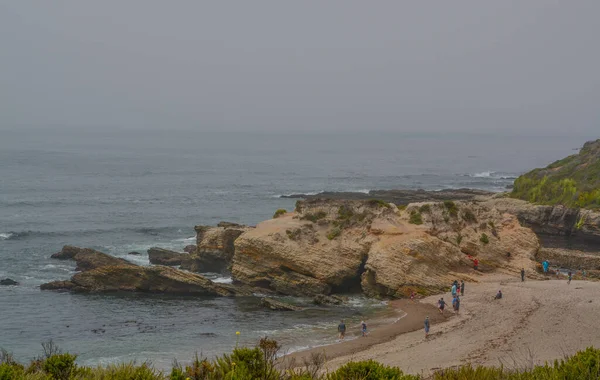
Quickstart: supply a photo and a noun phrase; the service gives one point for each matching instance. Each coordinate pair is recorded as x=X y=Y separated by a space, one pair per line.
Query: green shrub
x=378 y=203
x=60 y=366
x=484 y=239
x=459 y=239
x=314 y=217
x=425 y=209
x=124 y=371
x=468 y=216
x=333 y=233
x=10 y=371
x=369 y=370
x=452 y=208
x=279 y=212
x=298 y=207
x=415 y=218
x=401 y=207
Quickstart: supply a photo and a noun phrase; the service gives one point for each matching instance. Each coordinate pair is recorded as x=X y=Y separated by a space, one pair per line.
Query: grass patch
x=425 y=209
x=468 y=216
x=451 y=208
x=415 y=218
x=314 y=217
x=378 y=203
x=333 y=233
x=484 y=239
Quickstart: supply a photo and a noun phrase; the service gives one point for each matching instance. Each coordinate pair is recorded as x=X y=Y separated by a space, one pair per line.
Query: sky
x=311 y=65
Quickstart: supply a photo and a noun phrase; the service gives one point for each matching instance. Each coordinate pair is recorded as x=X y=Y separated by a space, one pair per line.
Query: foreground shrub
x=369 y=370
x=60 y=366
x=451 y=208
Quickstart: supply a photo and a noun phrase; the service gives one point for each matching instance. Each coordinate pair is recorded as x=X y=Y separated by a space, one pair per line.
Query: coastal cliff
x=338 y=246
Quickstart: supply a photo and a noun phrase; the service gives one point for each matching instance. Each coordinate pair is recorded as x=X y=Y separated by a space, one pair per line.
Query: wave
x=6 y=235
x=493 y=175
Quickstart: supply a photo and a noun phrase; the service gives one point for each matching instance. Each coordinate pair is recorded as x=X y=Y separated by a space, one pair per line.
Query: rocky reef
x=103 y=273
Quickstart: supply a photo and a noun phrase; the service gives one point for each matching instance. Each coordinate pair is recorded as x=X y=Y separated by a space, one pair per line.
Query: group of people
x=546 y=267
x=342 y=329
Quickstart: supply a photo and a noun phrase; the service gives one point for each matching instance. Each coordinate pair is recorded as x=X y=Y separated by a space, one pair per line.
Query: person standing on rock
x=475 y=264
x=427 y=327
x=522 y=274
x=342 y=329
x=462 y=287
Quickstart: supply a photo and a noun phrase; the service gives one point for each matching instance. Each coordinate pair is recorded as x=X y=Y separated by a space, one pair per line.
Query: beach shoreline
x=537 y=321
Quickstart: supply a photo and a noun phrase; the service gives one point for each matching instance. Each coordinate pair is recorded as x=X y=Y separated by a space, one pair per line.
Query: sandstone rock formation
x=337 y=246
x=160 y=256
x=214 y=248
x=87 y=258
x=567 y=258
x=556 y=226
x=104 y=273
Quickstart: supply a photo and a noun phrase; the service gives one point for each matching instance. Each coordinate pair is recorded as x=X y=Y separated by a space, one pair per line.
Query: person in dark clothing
x=498 y=295
x=342 y=329
x=426 y=327
x=522 y=274
x=462 y=287
x=570 y=277
x=441 y=305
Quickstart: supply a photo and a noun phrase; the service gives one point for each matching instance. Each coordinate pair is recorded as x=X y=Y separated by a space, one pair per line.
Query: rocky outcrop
x=87 y=258
x=273 y=304
x=214 y=248
x=336 y=246
x=556 y=226
x=104 y=273
x=567 y=258
x=160 y=256
x=156 y=279
x=134 y=253
x=8 y=282
x=321 y=299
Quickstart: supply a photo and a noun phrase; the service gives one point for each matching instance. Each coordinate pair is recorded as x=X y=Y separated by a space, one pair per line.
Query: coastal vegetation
x=263 y=362
x=314 y=217
x=279 y=212
x=573 y=181
x=451 y=208
x=484 y=239
x=415 y=218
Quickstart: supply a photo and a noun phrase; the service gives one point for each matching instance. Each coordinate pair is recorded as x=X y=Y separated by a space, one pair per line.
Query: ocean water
x=121 y=191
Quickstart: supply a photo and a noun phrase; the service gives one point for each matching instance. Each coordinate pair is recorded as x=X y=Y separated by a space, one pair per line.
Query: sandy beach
x=536 y=321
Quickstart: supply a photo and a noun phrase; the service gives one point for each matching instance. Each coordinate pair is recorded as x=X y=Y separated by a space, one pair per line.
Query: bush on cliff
x=452 y=208
x=484 y=239
x=369 y=370
x=279 y=212
x=378 y=203
x=573 y=181
x=415 y=218
x=314 y=217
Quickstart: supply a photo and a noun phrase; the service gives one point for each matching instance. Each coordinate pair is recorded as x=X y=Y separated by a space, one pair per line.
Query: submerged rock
x=321 y=299
x=278 y=305
x=134 y=253
x=160 y=256
x=8 y=282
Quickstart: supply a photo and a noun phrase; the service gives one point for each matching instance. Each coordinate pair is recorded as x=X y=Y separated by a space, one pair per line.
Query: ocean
x=119 y=191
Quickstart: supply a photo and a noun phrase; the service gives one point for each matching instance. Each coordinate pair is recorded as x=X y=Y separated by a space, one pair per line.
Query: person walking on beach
x=363 y=327
x=342 y=329
x=441 y=305
x=427 y=327
x=456 y=304
x=522 y=274
x=570 y=277
x=462 y=287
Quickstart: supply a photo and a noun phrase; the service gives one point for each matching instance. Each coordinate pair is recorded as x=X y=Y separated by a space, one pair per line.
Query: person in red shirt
x=475 y=264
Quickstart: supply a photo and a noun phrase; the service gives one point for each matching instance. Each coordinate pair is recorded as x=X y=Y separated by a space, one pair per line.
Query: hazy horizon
x=462 y=67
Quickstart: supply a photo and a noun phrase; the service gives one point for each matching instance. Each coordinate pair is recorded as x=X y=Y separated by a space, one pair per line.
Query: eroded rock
x=160 y=256
x=278 y=305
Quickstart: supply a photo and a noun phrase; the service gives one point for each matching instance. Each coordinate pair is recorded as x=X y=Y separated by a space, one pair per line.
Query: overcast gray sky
x=519 y=65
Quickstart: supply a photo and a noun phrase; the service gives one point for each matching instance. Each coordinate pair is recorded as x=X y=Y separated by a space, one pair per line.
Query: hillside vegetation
x=573 y=181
